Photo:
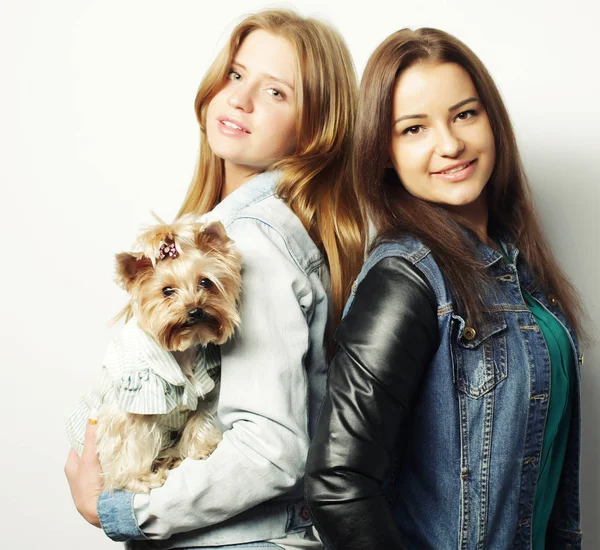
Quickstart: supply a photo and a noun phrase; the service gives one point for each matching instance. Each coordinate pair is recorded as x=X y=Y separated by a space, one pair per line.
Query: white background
x=97 y=128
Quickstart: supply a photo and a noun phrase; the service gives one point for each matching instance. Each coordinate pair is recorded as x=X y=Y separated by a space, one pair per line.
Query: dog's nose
x=195 y=314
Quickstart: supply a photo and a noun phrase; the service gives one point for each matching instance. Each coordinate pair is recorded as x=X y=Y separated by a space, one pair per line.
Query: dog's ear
x=214 y=236
x=130 y=267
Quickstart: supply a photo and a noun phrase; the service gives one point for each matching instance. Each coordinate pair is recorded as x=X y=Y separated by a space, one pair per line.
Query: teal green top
x=558 y=420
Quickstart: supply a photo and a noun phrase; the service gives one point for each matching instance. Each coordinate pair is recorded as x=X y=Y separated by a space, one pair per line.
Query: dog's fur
x=181 y=302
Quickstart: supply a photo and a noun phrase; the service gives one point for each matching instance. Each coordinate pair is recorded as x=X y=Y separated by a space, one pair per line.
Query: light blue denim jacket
x=474 y=451
x=273 y=377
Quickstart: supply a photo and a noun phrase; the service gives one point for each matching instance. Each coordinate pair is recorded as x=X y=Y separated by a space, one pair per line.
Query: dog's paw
x=148 y=482
x=201 y=453
x=202 y=448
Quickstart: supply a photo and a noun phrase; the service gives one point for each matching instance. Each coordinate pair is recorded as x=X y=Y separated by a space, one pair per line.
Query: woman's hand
x=84 y=475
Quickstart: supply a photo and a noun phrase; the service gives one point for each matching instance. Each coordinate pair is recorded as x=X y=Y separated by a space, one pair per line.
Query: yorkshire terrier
x=157 y=399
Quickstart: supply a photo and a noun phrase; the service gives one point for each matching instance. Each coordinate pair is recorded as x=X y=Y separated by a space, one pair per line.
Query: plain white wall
x=97 y=128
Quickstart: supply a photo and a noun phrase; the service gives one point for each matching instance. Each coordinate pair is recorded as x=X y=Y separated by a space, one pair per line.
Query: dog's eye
x=167 y=291
x=205 y=283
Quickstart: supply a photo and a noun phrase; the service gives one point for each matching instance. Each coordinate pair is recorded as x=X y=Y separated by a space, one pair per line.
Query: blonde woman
x=276 y=117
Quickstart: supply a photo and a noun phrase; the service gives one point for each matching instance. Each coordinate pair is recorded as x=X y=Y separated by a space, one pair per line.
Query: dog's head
x=185 y=284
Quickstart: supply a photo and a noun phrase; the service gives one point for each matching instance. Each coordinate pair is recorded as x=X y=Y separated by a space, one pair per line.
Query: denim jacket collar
x=259 y=187
x=485 y=253
x=490 y=256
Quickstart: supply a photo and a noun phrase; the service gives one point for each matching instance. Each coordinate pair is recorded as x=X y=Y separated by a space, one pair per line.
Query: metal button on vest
x=469 y=333
x=304 y=513
x=553 y=300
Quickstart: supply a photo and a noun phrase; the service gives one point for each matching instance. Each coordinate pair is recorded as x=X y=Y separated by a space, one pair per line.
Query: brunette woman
x=452 y=416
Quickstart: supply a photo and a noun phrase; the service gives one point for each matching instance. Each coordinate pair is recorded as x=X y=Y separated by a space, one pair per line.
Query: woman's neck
x=235 y=176
x=474 y=216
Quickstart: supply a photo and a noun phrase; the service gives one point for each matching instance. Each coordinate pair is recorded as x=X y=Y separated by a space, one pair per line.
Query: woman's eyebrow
x=405 y=117
x=270 y=76
x=454 y=107
x=461 y=103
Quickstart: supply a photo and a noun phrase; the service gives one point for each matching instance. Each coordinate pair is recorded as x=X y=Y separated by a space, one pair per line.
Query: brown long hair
x=316 y=179
x=395 y=211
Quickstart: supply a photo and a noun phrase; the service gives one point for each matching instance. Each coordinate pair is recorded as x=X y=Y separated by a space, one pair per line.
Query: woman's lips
x=231 y=128
x=457 y=173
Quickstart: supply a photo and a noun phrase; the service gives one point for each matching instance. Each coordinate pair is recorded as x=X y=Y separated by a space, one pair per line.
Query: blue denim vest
x=468 y=477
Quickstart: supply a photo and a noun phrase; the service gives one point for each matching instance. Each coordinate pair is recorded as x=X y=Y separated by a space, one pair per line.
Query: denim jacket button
x=553 y=300
x=305 y=513
x=469 y=333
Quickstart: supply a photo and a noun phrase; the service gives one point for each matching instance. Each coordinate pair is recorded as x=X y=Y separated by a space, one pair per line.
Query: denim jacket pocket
x=479 y=354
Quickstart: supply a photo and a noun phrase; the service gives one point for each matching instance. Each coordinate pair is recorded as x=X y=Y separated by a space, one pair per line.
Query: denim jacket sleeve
x=262 y=405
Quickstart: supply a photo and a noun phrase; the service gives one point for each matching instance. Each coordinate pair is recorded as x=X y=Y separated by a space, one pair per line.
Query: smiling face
x=251 y=121
x=442 y=145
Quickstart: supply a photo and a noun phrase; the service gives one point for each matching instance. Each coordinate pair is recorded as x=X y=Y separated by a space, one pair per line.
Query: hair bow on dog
x=168 y=249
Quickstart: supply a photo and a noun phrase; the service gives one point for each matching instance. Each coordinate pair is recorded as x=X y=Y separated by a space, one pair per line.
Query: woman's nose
x=448 y=143
x=240 y=98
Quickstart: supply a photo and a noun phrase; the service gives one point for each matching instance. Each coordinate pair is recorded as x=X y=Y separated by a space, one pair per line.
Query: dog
x=157 y=399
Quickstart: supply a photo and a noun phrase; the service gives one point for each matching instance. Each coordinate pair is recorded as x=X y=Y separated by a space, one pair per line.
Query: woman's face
x=251 y=121
x=442 y=144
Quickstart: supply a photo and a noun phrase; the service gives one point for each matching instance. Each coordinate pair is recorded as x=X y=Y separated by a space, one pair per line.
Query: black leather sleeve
x=385 y=344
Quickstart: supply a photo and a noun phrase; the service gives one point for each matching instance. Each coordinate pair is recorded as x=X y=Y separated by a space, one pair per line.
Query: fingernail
x=93 y=416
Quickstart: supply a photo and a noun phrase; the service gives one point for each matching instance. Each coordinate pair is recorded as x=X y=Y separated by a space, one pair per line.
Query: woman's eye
x=277 y=94
x=205 y=283
x=466 y=114
x=167 y=291
x=413 y=130
x=233 y=75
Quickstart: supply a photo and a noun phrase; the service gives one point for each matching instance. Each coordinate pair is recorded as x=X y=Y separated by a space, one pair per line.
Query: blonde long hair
x=316 y=179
